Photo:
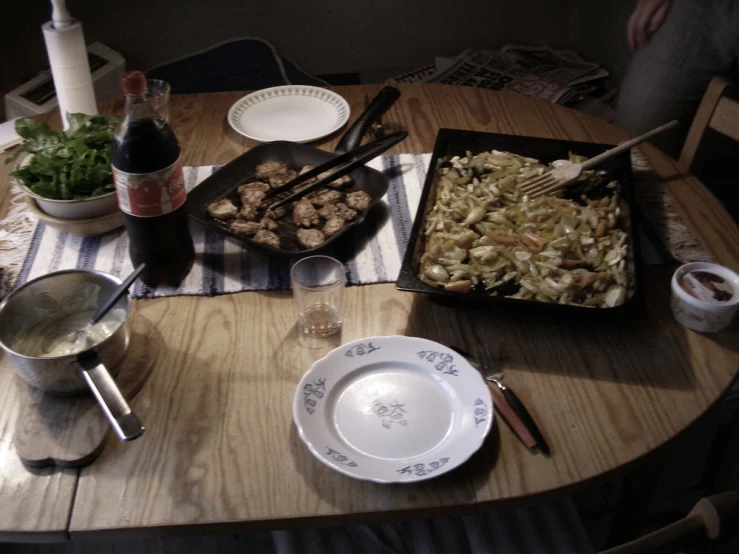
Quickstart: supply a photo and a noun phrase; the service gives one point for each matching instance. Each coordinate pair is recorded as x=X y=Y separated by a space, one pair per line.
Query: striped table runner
x=223 y=265
x=372 y=251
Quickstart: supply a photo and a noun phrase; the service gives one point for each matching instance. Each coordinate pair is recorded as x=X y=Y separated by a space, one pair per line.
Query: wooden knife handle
x=528 y=421
x=509 y=415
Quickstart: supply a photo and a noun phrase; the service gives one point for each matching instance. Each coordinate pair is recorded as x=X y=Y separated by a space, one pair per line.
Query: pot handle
x=379 y=105
x=124 y=422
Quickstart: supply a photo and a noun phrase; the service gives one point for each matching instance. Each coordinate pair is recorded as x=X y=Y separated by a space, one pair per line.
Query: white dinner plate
x=393 y=409
x=298 y=113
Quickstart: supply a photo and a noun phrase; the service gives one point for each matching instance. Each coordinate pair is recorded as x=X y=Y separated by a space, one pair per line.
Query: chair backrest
x=242 y=64
x=712 y=520
x=717 y=111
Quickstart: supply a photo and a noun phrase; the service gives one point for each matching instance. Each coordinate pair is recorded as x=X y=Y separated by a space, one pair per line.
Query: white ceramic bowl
x=705 y=296
x=75 y=209
x=88 y=208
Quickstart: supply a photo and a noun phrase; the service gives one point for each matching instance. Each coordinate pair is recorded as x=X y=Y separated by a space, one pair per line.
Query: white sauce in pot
x=67 y=334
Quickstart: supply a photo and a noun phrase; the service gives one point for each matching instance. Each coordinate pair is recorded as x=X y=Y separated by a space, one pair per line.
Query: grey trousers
x=667 y=77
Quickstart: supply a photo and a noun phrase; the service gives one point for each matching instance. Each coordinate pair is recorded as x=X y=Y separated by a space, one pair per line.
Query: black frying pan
x=225 y=181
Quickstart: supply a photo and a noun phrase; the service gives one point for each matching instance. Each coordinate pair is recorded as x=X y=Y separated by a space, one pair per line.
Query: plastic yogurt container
x=705 y=296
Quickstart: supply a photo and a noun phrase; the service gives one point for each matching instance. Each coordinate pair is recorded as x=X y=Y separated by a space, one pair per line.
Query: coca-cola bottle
x=145 y=158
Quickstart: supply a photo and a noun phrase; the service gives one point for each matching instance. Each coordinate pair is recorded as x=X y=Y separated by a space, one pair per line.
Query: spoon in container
x=81 y=337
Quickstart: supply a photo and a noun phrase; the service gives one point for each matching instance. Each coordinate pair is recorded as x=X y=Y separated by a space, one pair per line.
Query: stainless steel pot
x=56 y=296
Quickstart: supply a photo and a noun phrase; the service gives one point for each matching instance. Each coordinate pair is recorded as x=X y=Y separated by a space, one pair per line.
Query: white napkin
x=8 y=136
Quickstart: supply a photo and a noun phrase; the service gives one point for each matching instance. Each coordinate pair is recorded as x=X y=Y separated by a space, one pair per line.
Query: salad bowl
x=87 y=208
x=67 y=173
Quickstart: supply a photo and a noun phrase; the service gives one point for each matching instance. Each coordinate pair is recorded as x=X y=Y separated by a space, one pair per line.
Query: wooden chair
x=717 y=111
x=713 y=520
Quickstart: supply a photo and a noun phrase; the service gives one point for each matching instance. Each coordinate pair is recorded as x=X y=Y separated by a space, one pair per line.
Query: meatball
x=279 y=179
x=252 y=197
x=248 y=212
x=358 y=200
x=344 y=212
x=264 y=236
x=254 y=185
x=267 y=169
x=333 y=226
x=269 y=224
x=310 y=238
x=276 y=213
x=323 y=197
x=241 y=227
x=328 y=211
x=304 y=214
x=222 y=209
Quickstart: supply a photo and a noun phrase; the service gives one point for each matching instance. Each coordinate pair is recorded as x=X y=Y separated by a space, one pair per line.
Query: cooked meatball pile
x=317 y=216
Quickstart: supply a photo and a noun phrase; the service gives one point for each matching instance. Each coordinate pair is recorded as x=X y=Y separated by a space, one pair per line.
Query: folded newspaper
x=556 y=76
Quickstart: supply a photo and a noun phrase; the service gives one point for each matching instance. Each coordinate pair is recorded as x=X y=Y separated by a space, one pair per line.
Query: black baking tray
x=455 y=142
x=226 y=180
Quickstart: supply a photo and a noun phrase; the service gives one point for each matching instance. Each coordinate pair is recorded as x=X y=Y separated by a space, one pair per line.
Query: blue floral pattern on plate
x=480 y=412
x=361 y=350
x=445 y=361
x=339 y=458
x=421 y=470
x=312 y=393
x=392 y=412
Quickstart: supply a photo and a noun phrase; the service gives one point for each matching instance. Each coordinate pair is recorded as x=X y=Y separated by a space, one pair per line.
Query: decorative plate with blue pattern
x=393 y=409
x=298 y=113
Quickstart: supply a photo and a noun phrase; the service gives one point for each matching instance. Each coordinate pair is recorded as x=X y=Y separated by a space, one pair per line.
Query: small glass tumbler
x=318 y=288
x=158 y=94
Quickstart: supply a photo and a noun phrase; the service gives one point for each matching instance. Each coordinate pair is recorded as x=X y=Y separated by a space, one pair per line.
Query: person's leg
x=667 y=77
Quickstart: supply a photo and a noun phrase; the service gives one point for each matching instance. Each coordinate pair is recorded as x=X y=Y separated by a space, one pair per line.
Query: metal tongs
x=346 y=163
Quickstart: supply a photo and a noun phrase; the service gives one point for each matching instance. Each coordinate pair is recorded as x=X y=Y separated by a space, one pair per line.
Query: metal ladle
x=82 y=337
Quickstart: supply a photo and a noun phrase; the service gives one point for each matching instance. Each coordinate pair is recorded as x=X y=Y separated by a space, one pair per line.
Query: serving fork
x=491 y=372
x=558 y=178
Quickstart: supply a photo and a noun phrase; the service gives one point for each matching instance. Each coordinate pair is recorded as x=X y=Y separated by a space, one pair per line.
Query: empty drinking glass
x=318 y=288
x=158 y=94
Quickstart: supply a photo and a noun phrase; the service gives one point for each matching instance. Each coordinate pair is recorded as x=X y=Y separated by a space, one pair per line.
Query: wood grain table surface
x=221 y=451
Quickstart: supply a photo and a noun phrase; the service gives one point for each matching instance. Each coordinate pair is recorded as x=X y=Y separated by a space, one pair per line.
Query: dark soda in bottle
x=145 y=160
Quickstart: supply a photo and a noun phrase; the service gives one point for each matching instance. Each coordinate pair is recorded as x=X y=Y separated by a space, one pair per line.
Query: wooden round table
x=221 y=450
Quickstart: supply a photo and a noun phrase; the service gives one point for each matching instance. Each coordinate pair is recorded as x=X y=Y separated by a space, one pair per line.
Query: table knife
x=506 y=411
x=492 y=373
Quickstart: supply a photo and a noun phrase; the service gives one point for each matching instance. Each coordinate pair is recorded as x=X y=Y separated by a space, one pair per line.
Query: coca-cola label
x=150 y=194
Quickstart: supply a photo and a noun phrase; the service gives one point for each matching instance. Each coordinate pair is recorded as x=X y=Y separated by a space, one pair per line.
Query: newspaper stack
x=556 y=76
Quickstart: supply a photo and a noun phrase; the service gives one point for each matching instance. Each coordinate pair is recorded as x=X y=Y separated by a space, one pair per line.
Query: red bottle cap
x=134 y=83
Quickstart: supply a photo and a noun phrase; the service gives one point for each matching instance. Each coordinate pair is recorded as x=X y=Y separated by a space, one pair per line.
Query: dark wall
x=322 y=36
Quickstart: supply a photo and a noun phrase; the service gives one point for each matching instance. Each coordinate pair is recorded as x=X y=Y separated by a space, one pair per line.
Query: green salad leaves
x=66 y=165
